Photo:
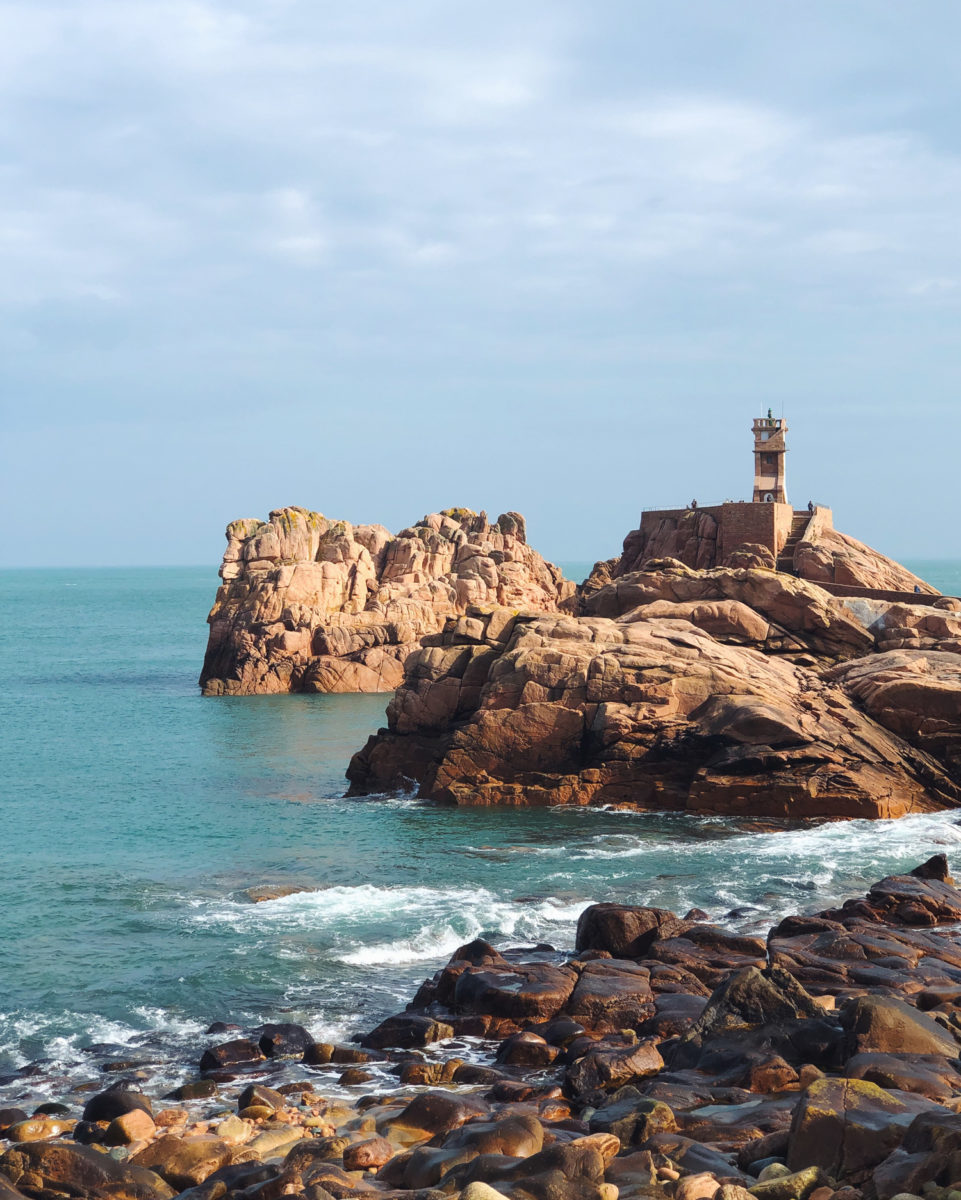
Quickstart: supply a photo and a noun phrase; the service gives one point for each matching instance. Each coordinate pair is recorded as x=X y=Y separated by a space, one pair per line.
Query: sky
x=382 y=258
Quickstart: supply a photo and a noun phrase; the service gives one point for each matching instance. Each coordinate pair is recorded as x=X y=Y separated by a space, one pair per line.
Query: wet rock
x=196 y=1089
x=936 y=867
x=114 y=1102
x=559 y=1031
x=675 y=1013
x=256 y=1112
x=321 y=1053
x=472 y=1073
x=238 y=1052
x=846 y=1127
x=632 y=1118
x=256 y=1094
x=526 y=1050
x=354 y=1077
x=89 y=1133
x=67 y=1168
x=611 y=994
x=271 y=891
x=39 y=1128
x=11 y=1116
x=52 y=1108
x=283 y=1041
x=624 y=930
x=531 y=991
x=608 y=1069
x=406 y=1031
x=184 y=1161
x=431 y=1074
x=440 y=1112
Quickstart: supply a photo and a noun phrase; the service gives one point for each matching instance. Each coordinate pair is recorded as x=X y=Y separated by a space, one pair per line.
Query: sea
x=136 y=814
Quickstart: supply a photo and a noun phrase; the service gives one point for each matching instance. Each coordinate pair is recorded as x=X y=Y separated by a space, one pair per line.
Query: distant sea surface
x=136 y=813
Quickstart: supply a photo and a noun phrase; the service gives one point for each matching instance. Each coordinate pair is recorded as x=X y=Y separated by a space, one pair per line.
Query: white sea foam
x=484 y=914
x=61 y=1036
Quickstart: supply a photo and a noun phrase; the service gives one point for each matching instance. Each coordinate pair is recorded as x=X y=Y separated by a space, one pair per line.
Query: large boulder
x=888 y=1025
x=64 y=1168
x=185 y=1162
x=625 y=930
x=829 y=556
x=848 y=1126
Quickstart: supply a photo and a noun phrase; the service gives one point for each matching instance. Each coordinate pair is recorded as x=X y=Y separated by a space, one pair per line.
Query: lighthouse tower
x=769 y=466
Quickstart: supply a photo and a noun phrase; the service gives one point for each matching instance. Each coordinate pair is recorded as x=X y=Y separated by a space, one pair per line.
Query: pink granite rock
x=310 y=604
x=654 y=714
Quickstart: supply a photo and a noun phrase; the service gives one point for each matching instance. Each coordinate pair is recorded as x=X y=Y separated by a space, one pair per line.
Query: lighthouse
x=770 y=481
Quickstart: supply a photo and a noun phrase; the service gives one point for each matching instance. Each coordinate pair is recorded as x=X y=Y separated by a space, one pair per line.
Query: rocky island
x=730 y=690
x=309 y=604
x=742 y=658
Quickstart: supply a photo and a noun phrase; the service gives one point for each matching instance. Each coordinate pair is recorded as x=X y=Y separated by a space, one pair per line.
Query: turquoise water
x=136 y=812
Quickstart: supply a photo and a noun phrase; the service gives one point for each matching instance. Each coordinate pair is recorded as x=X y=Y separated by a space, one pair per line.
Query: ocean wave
x=486 y=915
x=60 y=1037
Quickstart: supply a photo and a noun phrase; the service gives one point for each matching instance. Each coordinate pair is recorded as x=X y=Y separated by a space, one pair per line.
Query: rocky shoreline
x=666 y=1057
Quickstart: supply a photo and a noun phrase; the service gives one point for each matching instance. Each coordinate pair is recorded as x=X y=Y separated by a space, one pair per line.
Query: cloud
x=206 y=204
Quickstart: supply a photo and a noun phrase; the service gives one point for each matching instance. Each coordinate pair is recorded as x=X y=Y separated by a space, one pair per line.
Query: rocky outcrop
x=834 y=557
x=682 y=690
x=313 y=605
x=690 y=538
x=915 y=694
x=702 y=539
x=898 y=626
x=771 y=610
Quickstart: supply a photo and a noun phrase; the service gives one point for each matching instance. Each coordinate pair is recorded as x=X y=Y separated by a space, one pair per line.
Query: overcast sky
x=383 y=257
